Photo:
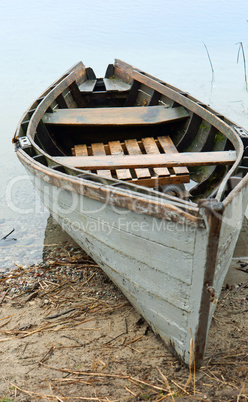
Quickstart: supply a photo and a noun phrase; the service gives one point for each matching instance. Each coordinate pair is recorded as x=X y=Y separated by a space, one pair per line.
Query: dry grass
x=69 y=335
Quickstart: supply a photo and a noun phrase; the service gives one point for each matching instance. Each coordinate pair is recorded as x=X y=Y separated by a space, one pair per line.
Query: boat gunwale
x=157 y=207
x=44 y=93
x=237 y=189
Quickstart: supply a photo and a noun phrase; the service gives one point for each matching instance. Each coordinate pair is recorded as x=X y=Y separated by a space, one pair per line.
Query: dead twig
x=57 y=390
x=51 y=317
x=137 y=381
x=5 y=237
x=166 y=382
x=75 y=380
x=88 y=280
x=213 y=376
x=32 y=296
x=180 y=387
x=73 y=339
x=133 y=340
x=47 y=355
x=5 y=294
x=131 y=392
x=116 y=337
x=1 y=326
x=85 y=373
x=48 y=396
x=31 y=393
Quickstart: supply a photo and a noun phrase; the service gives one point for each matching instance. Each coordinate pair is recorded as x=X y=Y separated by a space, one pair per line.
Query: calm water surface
x=40 y=40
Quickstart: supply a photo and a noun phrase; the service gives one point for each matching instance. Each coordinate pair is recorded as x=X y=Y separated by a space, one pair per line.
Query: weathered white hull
x=153 y=267
x=159 y=265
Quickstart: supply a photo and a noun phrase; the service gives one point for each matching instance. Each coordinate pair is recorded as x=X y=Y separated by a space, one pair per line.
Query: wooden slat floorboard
x=134 y=149
x=152 y=148
x=99 y=150
x=116 y=149
x=169 y=148
x=81 y=150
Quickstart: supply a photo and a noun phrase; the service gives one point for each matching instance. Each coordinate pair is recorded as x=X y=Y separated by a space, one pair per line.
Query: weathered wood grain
x=134 y=149
x=143 y=161
x=61 y=101
x=113 y=84
x=116 y=116
x=157 y=231
x=143 y=176
x=169 y=148
x=80 y=150
x=116 y=149
x=149 y=203
x=99 y=150
x=87 y=86
x=80 y=101
x=169 y=310
x=132 y=93
x=155 y=182
x=119 y=254
x=127 y=235
x=152 y=148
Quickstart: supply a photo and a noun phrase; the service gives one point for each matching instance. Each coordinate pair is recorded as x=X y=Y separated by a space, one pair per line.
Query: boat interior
x=122 y=117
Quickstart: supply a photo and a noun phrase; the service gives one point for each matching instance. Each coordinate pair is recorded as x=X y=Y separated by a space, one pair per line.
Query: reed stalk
x=241 y=48
x=210 y=61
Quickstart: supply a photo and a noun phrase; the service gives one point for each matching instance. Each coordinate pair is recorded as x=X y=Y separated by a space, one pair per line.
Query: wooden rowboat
x=150 y=182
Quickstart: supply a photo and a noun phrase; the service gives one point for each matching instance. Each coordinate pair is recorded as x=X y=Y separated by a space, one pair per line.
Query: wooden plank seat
x=113 y=162
x=87 y=86
x=113 y=85
x=147 y=176
x=116 y=116
x=150 y=162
